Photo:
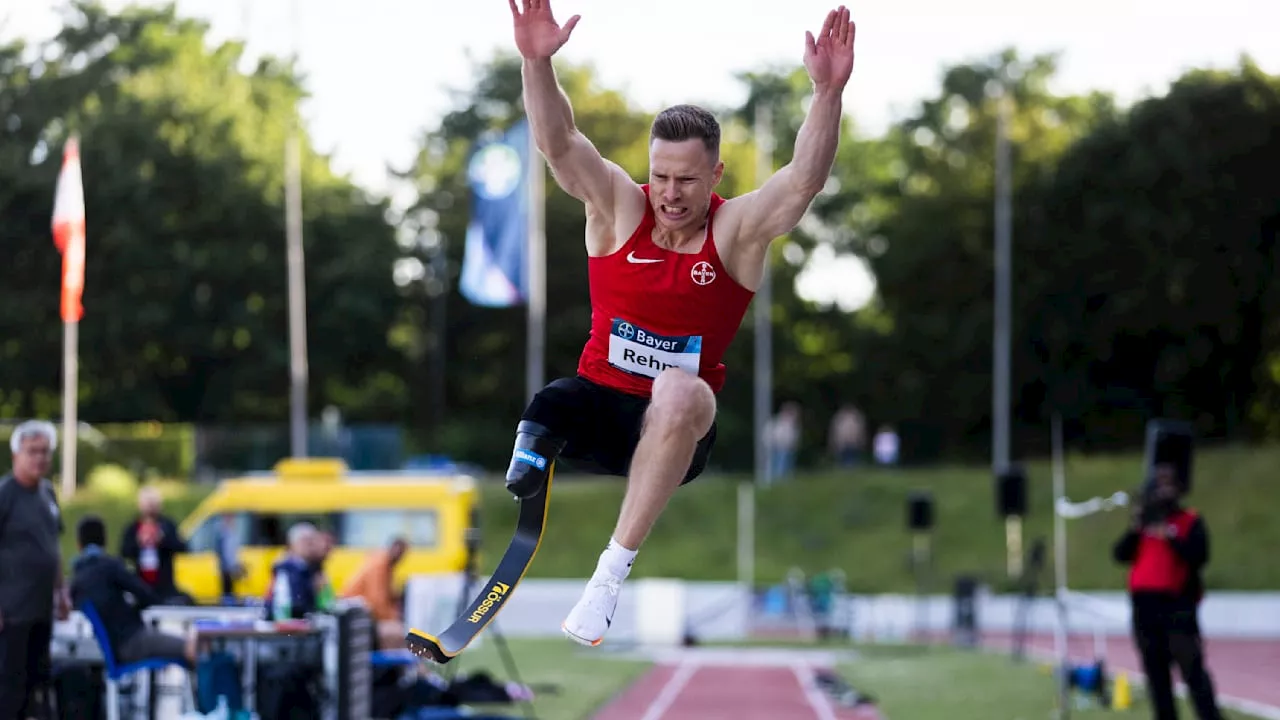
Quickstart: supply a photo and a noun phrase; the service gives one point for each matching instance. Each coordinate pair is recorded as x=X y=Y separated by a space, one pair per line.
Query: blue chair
x=393 y=658
x=115 y=672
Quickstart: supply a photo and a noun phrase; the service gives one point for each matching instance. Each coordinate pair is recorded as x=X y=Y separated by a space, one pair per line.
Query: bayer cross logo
x=494 y=171
x=626 y=331
x=703 y=273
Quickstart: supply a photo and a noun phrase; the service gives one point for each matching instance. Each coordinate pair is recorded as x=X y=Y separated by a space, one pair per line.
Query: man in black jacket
x=150 y=543
x=1167 y=547
x=104 y=581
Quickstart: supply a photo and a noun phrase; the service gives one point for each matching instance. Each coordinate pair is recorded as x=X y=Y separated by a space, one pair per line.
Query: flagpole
x=70 y=401
x=69 y=238
x=763 y=307
x=299 y=370
x=537 y=322
x=763 y=372
x=298 y=366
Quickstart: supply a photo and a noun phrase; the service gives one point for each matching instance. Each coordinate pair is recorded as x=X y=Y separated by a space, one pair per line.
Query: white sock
x=616 y=559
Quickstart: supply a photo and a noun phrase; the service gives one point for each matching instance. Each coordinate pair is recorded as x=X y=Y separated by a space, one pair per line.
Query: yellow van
x=363 y=510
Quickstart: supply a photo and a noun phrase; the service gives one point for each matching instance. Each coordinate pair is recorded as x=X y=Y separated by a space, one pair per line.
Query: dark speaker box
x=920 y=511
x=1011 y=492
x=1172 y=442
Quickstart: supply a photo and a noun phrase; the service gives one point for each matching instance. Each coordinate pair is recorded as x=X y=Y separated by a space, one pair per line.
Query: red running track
x=690 y=691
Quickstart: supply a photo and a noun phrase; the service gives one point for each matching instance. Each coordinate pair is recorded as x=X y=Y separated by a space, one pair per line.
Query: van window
x=205 y=536
x=368 y=529
x=272 y=529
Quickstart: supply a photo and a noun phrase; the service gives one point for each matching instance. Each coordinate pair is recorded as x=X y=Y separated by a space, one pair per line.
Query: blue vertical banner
x=496 y=258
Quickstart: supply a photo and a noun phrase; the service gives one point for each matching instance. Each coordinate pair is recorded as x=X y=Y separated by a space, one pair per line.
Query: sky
x=379 y=71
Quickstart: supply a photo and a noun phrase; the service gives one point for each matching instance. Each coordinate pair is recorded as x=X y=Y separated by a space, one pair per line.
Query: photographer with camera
x=1167 y=546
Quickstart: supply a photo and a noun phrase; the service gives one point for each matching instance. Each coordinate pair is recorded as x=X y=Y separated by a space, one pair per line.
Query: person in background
x=230 y=568
x=886 y=445
x=291 y=594
x=847 y=437
x=105 y=582
x=32 y=593
x=150 y=542
x=784 y=440
x=290 y=687
x=374 y=584
x=1167 y=547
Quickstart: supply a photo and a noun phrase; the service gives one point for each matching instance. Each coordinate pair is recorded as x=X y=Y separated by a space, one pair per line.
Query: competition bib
x=640 y=352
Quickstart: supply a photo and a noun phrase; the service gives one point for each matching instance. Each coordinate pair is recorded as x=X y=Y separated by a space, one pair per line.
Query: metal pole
x=535 y=372
x=1003 y=290
x=1059 y=521
x=763 y=372
x=1060 y=564
x=70 y=395
x=747 y=535
x=298 y=364
x=763 y=307
x=439 y=271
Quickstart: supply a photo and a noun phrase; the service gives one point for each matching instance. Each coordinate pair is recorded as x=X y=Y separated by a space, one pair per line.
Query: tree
x=185 y=280
x=1160 y=259
x=931 y=375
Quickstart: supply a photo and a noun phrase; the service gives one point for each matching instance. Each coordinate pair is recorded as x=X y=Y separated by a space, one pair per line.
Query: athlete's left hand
x=829 y=58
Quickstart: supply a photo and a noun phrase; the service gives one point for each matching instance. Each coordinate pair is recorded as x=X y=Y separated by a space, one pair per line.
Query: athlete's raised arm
x=774 y=209
x=577 y=165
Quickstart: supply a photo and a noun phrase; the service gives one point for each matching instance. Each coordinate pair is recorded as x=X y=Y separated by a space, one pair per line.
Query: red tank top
x=1156 y=567
x=653 y=308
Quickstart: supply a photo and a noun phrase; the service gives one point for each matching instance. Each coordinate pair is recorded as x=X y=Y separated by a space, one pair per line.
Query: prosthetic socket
x=535 y=451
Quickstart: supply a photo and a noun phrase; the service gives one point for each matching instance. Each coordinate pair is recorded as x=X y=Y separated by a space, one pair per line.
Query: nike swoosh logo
x=631 y=258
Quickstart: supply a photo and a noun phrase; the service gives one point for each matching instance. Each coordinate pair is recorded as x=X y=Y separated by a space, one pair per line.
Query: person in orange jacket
x=372 y=583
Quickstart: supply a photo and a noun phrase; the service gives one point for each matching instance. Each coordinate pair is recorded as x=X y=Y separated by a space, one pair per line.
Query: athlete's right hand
x=538 y=35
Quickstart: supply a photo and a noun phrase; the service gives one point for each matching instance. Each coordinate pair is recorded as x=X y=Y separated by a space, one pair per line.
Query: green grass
x=569 y=682
x=857 y=522
x=947 y=684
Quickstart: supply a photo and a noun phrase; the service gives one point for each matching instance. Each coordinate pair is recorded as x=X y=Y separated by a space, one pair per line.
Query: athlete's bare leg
x=680 y=413
x=681 y=410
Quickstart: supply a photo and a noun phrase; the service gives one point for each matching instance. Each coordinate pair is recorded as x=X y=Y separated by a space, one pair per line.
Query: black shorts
x=24 y=668
x=600 y=426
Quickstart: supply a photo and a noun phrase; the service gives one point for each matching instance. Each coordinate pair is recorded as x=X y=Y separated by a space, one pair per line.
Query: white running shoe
x=592 y=616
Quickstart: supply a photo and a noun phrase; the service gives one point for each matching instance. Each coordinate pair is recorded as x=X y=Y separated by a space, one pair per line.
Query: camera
x=1168 y=452
x=1153 y=507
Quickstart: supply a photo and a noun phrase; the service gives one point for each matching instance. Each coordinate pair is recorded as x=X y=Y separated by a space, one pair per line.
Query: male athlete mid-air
x=672 y=268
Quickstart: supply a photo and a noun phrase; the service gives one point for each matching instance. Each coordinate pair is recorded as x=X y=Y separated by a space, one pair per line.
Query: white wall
x=723 y=611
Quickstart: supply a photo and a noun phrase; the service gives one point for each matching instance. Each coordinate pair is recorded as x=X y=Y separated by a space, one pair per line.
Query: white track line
x=805 y=676
x=670 y=691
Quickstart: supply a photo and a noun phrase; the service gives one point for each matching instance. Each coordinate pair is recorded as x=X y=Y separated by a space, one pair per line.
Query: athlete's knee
x=682 y=400
x=535 y=451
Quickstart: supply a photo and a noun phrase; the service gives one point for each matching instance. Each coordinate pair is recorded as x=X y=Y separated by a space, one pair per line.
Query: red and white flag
x=68 y=230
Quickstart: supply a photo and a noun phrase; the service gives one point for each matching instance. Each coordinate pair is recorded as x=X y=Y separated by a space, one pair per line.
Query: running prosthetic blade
x=494 y=594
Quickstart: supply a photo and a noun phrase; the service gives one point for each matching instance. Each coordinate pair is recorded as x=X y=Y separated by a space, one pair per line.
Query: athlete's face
x=681 y=177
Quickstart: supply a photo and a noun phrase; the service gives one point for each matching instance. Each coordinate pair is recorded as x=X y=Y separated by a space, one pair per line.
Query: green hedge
x=148 y=450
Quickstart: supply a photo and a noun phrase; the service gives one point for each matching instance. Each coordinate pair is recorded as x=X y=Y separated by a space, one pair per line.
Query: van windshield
x=362 y=529
x=372 y=528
